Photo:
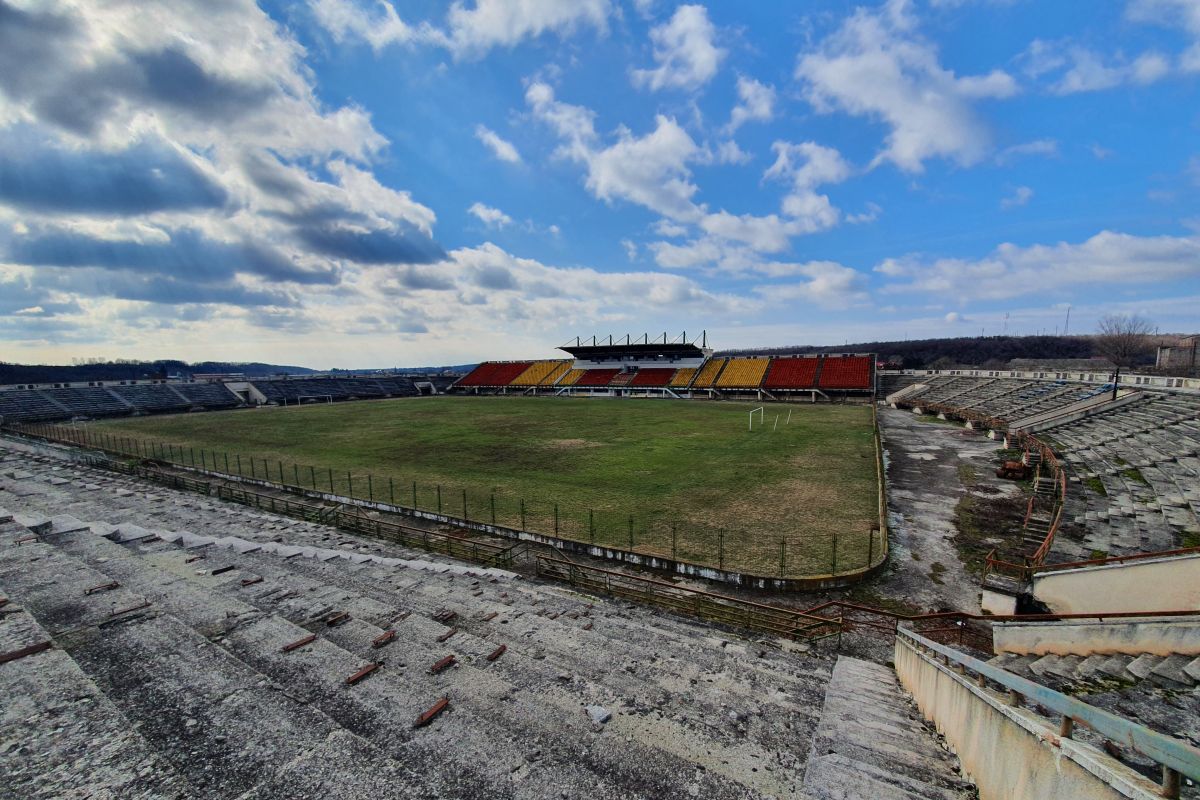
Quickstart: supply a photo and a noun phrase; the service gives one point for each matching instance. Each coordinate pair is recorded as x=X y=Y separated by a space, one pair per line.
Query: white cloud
x=1108 y=258
x=954 y=318
x=1071 y=68
x=728 y=152
x=877 y=66
x=830 y=285
x=375 y=22
x=649 y=170
x=806 y=166
x=1037 y=147
x=871 y=214
x=468 y=32
x=684 y=51
x=492 y=217
x=1172 y=14
x=756 y=101
x=501 y=148
x=1020 y=196
x=665 y=227
x=631 y=249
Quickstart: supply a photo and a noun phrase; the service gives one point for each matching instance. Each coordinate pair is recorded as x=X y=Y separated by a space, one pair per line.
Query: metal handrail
x=1173 y=754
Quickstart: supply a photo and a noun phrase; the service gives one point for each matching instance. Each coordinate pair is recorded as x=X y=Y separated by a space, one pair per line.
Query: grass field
x=768 y=502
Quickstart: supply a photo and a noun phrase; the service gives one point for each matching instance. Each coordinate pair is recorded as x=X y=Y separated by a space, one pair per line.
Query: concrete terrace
x=168 y=674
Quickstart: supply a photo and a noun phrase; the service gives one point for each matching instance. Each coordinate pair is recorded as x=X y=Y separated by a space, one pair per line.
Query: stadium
x=599 y=400
x=761 y=498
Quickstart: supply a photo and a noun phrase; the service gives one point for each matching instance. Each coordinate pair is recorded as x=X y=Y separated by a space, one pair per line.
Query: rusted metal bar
x=252 y=581
x=442 y=664
x=444 y=616
x=491 y=616
x=337 y=618
x=221 y=570
x=364 y=672
x=447 y=634
x=384 y=638
x=296 y=645
x=102 y=587
x=13 y=655
x=499 y=651
x=138 y=607
x=432 y=713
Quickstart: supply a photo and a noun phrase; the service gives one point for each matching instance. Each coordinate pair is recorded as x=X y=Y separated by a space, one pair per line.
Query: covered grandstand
x=639 y=367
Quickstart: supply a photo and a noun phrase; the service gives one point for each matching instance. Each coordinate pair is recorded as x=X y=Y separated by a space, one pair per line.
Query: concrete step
x=871 y=742
x=1143 y=665
x=1193 y=669
x=1171 y=672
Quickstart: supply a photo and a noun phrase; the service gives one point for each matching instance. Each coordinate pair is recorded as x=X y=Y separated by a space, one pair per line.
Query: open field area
x=686 y=477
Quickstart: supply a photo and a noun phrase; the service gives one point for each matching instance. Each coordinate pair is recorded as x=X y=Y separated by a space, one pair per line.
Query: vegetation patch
x=936 y=570
x=1094 y=483
x=981 y=522
x=966 y=474
x=1134 y=474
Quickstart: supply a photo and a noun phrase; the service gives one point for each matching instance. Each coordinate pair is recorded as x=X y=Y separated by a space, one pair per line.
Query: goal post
x=328 y=398
x=760 y=413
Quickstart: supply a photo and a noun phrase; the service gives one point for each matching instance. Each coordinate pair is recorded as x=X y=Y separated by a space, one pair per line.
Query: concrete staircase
x=872 y=742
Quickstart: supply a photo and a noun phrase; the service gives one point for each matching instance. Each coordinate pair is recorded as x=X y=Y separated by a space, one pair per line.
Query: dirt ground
x=931 y=468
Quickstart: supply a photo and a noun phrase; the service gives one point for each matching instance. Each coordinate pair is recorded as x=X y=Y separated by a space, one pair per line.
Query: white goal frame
x=761 y=418
x=302 y=397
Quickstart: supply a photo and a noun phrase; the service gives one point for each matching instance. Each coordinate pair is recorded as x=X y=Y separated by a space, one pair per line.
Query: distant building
x=1179 y=358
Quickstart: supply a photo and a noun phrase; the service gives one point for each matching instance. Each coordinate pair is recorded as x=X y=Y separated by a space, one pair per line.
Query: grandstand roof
x=671 y=350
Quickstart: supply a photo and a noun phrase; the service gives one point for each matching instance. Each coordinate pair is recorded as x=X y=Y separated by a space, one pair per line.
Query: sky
x=364 y=183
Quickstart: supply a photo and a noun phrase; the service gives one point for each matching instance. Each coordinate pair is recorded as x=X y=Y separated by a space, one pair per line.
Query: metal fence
x=763 y=552
x=716 y=608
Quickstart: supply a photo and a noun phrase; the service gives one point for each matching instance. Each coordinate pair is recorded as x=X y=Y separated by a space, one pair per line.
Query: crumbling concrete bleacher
x=189 y=647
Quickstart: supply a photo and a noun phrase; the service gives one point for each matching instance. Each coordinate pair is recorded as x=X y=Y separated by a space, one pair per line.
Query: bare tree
x=1122 y=339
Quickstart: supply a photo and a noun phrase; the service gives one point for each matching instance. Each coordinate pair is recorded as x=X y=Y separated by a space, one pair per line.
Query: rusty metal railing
x=717 y=608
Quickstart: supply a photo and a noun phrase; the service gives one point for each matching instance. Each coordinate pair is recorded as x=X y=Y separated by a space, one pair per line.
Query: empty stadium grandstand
x=635 y=368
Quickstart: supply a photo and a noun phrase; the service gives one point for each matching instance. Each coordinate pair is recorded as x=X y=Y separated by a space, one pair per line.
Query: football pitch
x=676 y=478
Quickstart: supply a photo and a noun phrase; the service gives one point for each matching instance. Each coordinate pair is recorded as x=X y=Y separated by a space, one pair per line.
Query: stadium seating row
x=842 y=373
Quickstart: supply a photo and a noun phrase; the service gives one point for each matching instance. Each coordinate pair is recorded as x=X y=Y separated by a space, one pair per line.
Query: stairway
x=872 y=742
x=1174 y=671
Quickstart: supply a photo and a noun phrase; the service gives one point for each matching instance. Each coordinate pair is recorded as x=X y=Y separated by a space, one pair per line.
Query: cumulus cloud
x=500 y=148
x=756 y=102
x=1069 y=69
x=1108 y=258
x=650 y=170
x=492 y=217
x=1020 y=196
x=684 y=50
x=876 y=65
x=1047 y=148
x=467 y=32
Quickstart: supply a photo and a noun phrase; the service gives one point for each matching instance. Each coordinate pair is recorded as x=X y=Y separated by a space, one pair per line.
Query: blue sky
x=362 y=183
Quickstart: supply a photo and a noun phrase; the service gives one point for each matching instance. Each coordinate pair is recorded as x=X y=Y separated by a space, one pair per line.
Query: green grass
x=1134 y=474
x=1095 y=484
x=731 y=495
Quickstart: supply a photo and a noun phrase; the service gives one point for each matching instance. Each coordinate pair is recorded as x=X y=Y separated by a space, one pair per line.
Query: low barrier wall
x=1122 y=586
x=1161 y=636
x=1010 y=751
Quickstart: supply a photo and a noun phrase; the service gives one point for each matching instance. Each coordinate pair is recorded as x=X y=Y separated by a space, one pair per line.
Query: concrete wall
x=1006 y=751
x=1158 y=635
x=1153 y=584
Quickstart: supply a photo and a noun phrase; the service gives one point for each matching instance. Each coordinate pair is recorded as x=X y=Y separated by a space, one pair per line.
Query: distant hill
x=125 y=371
x=985 y=351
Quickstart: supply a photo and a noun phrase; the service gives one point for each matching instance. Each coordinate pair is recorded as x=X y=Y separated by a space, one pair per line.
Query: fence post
x=370 y=487
x=330 y=470
x=312 y=476
x=193 y=451
x=226 y=454
x=281 y=478
x=674 y=542
x=631 y=531
x=522 y=513
x=439 y=498
x=782 y=558
x=721 y=548
x=391 y=491
x=592 y=525
x=296 y=473
x=464 y=495
x=238 y=456
x=349 y=484
x=493 y=508
x=252 y=472
x=556 y=519
x=833 y=568
x=870 y=547
x=414 y=494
